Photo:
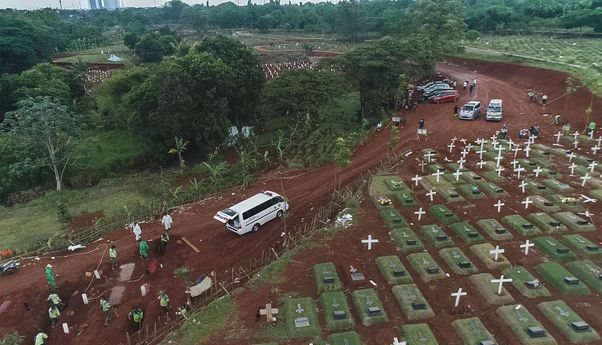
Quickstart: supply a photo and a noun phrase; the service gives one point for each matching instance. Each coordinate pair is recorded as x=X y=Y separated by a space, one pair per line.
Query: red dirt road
x=221 y=250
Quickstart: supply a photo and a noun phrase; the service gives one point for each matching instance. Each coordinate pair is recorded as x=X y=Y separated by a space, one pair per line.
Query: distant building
x=111 y=4
x=93 y=4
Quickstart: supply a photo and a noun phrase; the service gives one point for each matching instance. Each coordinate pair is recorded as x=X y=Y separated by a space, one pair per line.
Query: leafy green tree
x=341 y=157
x=44 y=128
x=179 y=149
x=150 y=49
x=130 y=40
x=111 y=94
x=23 y=43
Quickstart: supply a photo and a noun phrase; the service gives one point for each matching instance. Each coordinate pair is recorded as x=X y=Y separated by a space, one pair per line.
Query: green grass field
x=336 y=301
x=467 y=232
x=472 y=331
x=419 y=333
x=436 y=236
x=488 y=290
x=347 y=338
x=326 y=277
x=366 y=299
x=545 y=222
x=520 y=276
x=554 y=273
x=561 y=316
x=458 y=261
x=491 y=225
x=426 y=266
x=574 y=222
x=412 y=302
x=587 y=271
x=521 y=225
x=582 y=246
x=519 y=320
x=406 y=240
x=393 y=270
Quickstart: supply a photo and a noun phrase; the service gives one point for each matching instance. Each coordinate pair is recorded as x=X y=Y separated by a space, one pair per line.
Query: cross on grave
x=526 y=202
x=562 y=312
x=520 y=316
x=480 y=164
x=269 y=312
x=510 y=144
x=595 y=149
x=464 y=152
x=454 y=139
x=586 y=214
x=599 y=141
x=416 y=179
x=558 y=135
x=516 y=149
x=499 y=205
x=299 y=309
x=501 y=281
x=397 y=342
x=420 y=212
x=575 y=135
x=422 y=165
x=463 y=141
x=428 y=156
x=498 y=159
x=592 y=166
x=499 y=150
x=479 y=141
x=587 y=199
x=451 y=147
x=496 y=252
x=551 y=243
x=522 y=185
x=461 y=162
x=526 y=246
x=499 y=170
x=480 y=152
x=571 y=156
x=572 y=167
x=438 y=174
x=334 y=303
x=430 y=194
x=493 y=137
x=527 y=150
x=422 y=338
x=537 y=171
x=519 y=170
x=458 y=295
x=591 y=134
x=352 y=269
x=457 y=174
x=468 y=147
x=369 y=242
x=584 y=178
x=514 y=163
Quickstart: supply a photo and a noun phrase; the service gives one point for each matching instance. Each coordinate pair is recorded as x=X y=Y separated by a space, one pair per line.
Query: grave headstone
x=339 y=315
x=374 y=311
x=533 y=284
x=418 y=306
x=536 y=332
x=301 y=322
x=571 y=280
x=580 y=326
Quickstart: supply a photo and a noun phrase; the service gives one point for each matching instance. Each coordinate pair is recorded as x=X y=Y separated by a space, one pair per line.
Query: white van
x=250 y=214
x=494 y=110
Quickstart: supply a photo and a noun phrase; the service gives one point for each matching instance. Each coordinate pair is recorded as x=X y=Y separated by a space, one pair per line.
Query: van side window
x=258 y=209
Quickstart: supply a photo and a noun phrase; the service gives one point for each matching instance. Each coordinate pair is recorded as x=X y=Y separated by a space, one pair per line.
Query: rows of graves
x=531 y=193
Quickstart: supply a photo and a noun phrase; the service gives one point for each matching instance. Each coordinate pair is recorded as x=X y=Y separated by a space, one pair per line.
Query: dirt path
x=220 y=249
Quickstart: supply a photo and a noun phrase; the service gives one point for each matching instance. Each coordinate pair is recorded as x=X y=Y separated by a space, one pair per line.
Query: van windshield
x=495 y=108
x=468 y=107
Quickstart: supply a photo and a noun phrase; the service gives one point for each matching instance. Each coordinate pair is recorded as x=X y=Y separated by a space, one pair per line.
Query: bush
x=472 y=35
x=63 y=214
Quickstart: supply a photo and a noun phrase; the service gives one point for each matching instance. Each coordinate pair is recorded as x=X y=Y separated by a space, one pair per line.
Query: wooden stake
x=223 y=287
x=242 y=269
x=127 y=335
x=191 y=245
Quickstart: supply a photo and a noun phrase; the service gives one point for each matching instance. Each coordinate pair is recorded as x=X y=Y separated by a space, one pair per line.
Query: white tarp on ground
x=201 y=287
x=344 y=219
x=114 y=58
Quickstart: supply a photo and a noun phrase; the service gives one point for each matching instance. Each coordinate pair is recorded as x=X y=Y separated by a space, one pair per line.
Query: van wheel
x=255 y=227
x=279 y=214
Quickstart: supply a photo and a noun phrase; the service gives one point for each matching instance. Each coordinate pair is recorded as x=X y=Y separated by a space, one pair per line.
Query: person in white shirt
x=167 y=221
x=136 y=230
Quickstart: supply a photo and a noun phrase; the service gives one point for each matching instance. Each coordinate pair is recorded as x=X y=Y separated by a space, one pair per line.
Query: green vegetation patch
x=458 y=261
x=519 y=320
x=451 y=178
x=419 y=333
x=553 y=249
x=395 y=184
x=471 y=193
x=472 y=331
x=110 y=151
x=436 y=236
x=436 y=167
x=493 y=177
x=582 y=245
x=347 y=338
x=546 y=222
x=426 y=266
x=336 y=310
x=537 y=188
x=587 y=271
x=454 y=167
x=551 y=173
x=544 y=204
x=392 y=218
x=471 y=177
x=379 y=186
x=467 y=232
x=556 y=185
x=482 y=251
x=521 y=225
x=301 y=317
x=393 y=270
x=412 y=302
x=405 y=199
x=574 y=222
x=562 y=316
x=449 y=193
x=326 y=277
x=493 y=190
x=489 y=290
x=520 y=276
x=406 y=240
x=369 y=307
x=555 y=274
x=443 y=214
x=566 y=203
x=494 y=229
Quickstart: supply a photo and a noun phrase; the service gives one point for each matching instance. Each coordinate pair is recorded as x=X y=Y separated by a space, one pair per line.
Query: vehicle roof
x=472 y=103
x=495 y=101
x=253 y=201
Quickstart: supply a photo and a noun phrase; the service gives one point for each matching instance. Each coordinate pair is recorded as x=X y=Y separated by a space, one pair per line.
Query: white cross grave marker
x=299 y=309
x=451 y=147
x=527 y=150
x=558 y=135
x=499 y=170
x=498 y=159
x=519 y=170
x=599 y=141
x=526 y=246
x=463 y=141
x=500 y=281
x=420 y=212
x=438 y=174
x=430 y=194
x=572 y=167
x=522 y=185
x=584 y=178
x=526 y=202
x=457 y=175
x=428 y=156
x=516 y=149
x=480 y=164
x=496 y=252
x=595 y=149
x=397 y=342
x=514 y=163
x=587 y=199
x=369 y=242
x=480 y=152
x=537 y=171
x=499 y=205
x=461 y=162
x=571 y=156
x=416 y=179
x=457 y=295
x=592 y=166
x=576 y=144
x=576 y=134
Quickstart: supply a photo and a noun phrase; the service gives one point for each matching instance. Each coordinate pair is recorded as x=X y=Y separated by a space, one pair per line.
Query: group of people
x=468 y=85
x=533 y=131
x=535 y=97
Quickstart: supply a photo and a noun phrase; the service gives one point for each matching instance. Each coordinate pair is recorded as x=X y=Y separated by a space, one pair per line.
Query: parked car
x=494 y=110
x=445 y=96
x=429 y=84
x=441 y=86
x=435 y=91
x=470 y=110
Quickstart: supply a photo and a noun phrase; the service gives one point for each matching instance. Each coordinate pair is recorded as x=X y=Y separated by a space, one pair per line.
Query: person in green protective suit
x=136 y=315
x=50 y=276
x=54 y=314
x=40 y=338
x=143 y=248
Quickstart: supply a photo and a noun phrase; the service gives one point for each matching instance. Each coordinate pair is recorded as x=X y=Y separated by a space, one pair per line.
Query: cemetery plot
x=562 y=279
x=574 y=222
x=369 y=307
x=406 y=240
x=594 y=182
x=569 y=322
x=426 y=267
x=471 y=177
x=467 y=232
x=455 y=167
x=393 y=270
x=546 y=222
x=405 y=199
x=382 y=201
x=544 y=204
x=443 y=214
x=557 y=185
x=347 y=338
x=336 y=310
x=418 y=334
x=527 y=164
x=301 y=317
x=550 y=172
x=450 y=178
x=457 y=261
x=435 y=167
x=583 y=160
x=483 y=251
x=566 y=203
x=493 y=177
x=449 y=194
x=582 y=245
x=525 y=282
x=412 y=302
x=471 y=191
x=436 y=236
x=380 y=185
x=553 y=249
x=596 y=193
x=525 y=326
x=537 y=188
x=472 y=331
x=521 y=225
x=394 y=183
x=491 y=189
x=581 y=170
x=494 y=229
x=326 y=277
x=587 y=271
x=489 y=290
x=392 y=218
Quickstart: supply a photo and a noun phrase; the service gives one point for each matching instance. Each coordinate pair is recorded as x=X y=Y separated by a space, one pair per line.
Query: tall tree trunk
x=57 y=177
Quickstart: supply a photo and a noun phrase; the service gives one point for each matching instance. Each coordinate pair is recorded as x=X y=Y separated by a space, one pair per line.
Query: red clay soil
x=84 y=220
x=306 y=190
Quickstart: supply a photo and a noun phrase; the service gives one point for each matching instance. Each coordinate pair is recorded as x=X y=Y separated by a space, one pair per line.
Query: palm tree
x=181 y=146
x=81 y=68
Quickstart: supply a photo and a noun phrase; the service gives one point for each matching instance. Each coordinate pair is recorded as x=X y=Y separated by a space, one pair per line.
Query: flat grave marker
x=587 y=271
x=412 y=302
x=426 y=266
x=557 y=275
x=494 y=229
x=436 y=236
x=525 y=282
x=393 y=270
